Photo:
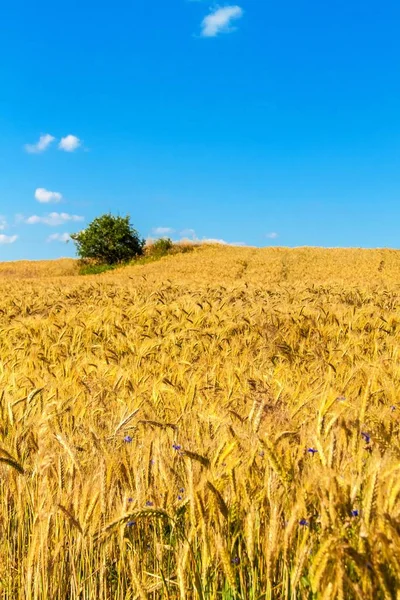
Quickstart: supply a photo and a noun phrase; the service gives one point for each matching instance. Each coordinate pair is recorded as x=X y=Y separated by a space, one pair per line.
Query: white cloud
x=44 y=196
x=59 y=237
x=219 y=21
x=44 y=142
x=3 y=223
x=213 y=241
x=51 y=219
x=69 y=143
x=272 y=235
x=7 y=239
x=188 y=233
x=222 y=242
x=162 y=230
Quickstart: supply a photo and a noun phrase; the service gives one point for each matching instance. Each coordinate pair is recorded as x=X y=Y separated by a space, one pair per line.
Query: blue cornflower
x=366 y=436
x=181 y=490
x=131 y=523
x=392 y=408
x=303 y=522
x=130 y=499
x=355 y=513
x=128 y=439
x=149 y=503
x=341 y=399
x=312 y=450
x=235 y=560
x=180 y=497
x=176 y=447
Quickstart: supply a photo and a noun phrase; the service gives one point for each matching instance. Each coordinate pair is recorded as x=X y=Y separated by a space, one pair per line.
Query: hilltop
x=233 y=264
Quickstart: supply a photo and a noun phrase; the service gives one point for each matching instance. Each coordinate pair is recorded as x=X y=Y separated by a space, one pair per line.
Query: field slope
x=217 y=424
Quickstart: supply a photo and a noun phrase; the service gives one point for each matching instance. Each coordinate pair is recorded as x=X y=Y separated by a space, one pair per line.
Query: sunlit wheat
x=220 y=424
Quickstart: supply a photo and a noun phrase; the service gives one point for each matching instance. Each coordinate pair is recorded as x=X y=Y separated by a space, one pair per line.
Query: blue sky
x=265 y=123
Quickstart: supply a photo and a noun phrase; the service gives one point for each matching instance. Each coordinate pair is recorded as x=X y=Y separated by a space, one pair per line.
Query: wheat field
x=222 y=424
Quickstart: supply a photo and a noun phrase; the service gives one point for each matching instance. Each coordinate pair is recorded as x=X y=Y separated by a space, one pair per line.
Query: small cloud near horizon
x=8 y=239
x=272 y=235
x=190 y=235
x=3 y=223
x=69 y=143
x=162 y=230
x=53 y=219
x=222 y=242
x=59 y=237
x=44 y=142
x=44 y=196
x=220 y=20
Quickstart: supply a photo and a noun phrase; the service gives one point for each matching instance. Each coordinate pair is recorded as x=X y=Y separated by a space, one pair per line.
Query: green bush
x=108 y=240
x=160 y=247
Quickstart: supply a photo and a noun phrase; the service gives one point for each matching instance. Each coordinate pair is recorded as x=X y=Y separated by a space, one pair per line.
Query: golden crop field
x=223 y=424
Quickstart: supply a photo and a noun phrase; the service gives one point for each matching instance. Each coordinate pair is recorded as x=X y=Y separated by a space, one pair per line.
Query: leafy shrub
x=160 y=247
x=108 y=240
